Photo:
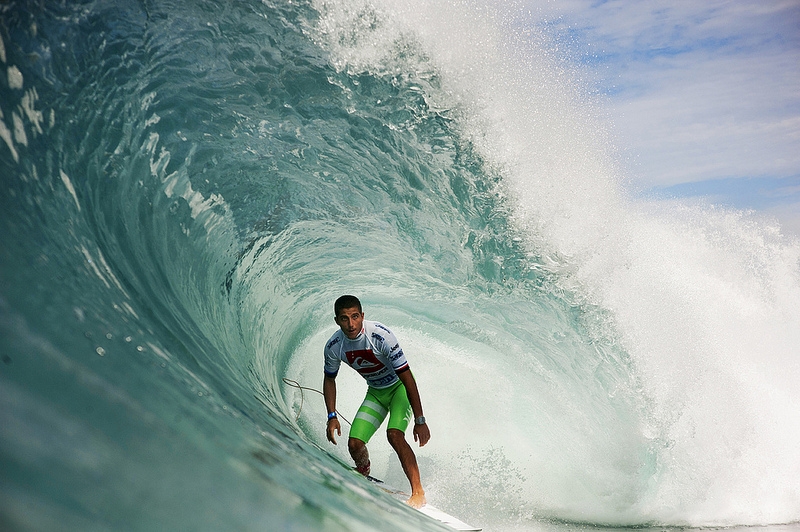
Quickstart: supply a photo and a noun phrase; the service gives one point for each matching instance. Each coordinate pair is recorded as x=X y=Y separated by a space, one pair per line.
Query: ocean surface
x=187 y=185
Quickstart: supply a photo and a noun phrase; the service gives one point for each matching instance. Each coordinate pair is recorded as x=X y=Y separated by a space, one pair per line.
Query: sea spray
x=701 y=298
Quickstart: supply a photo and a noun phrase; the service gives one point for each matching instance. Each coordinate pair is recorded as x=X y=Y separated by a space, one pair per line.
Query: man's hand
x=333 y=425
x=329 y=392
x=422 y=434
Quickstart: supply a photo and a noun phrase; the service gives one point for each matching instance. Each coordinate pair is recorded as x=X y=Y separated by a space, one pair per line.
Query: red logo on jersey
x=364 y=361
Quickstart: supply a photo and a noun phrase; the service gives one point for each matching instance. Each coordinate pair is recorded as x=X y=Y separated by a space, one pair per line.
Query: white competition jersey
x=375 y=354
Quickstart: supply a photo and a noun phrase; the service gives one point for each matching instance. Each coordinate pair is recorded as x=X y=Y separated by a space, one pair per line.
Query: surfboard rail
x=428 y=509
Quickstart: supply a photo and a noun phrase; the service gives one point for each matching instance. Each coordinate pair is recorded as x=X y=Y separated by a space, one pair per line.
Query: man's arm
x=421 y=432
x=329 y=392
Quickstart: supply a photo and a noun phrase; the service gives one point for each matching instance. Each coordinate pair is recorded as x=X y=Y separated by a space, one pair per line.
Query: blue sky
x=703 y=96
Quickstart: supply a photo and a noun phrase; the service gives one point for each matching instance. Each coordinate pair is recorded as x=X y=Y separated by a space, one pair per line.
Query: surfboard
x=429 y=510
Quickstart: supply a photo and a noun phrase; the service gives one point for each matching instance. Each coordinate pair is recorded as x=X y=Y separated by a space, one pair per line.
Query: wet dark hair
x=346 y=302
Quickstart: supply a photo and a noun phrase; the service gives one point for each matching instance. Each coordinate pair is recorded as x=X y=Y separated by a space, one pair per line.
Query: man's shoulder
x=377 y=331
x=375 y=326
x=334 y=339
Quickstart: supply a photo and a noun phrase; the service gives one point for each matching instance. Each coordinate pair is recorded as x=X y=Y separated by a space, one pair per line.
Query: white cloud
x=696 y=90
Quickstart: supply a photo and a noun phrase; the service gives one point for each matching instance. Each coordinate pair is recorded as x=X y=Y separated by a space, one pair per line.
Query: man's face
x=350 y=320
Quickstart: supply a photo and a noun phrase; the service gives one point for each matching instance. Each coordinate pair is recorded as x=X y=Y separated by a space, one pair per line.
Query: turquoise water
x=187 y=187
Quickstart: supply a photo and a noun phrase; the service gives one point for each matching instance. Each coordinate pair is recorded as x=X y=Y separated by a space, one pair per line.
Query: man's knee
x=395 y=437
x=355 y=445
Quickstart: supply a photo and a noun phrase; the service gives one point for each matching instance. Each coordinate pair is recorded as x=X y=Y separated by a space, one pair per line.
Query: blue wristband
x=332 y=415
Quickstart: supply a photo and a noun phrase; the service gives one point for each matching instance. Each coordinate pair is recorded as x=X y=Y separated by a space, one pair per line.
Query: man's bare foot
x=364 y=469
x=417 y=500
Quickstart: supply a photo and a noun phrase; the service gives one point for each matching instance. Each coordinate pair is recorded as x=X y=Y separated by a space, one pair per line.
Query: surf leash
x=295 y=384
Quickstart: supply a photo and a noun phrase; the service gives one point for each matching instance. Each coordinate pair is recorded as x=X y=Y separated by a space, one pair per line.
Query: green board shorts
x=377 y=404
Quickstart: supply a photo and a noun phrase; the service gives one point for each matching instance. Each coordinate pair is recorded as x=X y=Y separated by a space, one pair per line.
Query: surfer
x=374 y=352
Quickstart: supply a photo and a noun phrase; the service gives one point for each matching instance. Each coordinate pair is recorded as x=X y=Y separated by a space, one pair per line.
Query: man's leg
x=397 y=439
x=359 y=454
x=368 y=418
